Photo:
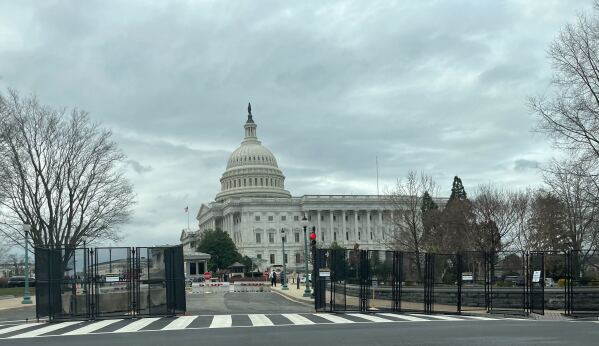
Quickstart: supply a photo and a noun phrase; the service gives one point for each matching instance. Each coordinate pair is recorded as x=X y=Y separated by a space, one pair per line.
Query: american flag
x=186 y=209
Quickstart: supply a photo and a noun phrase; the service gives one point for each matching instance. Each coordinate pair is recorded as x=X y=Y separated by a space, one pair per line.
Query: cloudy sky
x=436 y=86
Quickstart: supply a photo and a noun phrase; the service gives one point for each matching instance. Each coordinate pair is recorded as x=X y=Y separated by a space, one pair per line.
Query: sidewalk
x=293 y=293
x=14 y=303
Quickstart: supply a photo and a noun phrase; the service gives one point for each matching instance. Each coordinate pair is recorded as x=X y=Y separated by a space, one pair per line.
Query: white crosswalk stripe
x=221 y=321
x=27 y=330
x=137 y=325
x=334 y=318
x=371 y=318
x=405 y=317
x=17 y=327
x=439 y=317
x=44 y=330
x=180 y=323
x=90 y=328
x=297 y=319
x=260 y=320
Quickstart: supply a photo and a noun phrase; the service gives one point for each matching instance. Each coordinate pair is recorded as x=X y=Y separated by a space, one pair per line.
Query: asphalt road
x=243 y=303
x=488 y=333
x=17 y=315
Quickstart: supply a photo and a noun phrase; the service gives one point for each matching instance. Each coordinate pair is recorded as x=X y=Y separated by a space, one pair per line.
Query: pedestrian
x=272 y=278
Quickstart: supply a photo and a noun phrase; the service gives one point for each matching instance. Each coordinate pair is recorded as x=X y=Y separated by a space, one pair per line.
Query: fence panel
x=507 y=282
x=474 y=278
x=536 y=282
x=413 y=275
x=584 y=283
x=445 y=280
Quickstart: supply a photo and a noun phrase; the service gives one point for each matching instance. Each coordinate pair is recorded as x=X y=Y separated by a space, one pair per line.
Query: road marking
x=137 y=325
x=180 y=323
x=405 y=317
x=90 y=328
x=17 y=327
x=297 y=319
x=371 y=318
x=260 y=320
x=221 y=321
x=439 y=317
x=44 y=330
x=482 y=318
x=334 y=318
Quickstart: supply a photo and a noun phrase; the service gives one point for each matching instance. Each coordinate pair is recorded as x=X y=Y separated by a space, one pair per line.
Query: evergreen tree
x=427 y=203
x=221 y=248
x=457 y=190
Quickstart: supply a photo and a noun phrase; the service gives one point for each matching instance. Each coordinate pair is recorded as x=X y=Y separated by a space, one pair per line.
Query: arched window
x=244 y=182
x=261 y=182
x=256 y=181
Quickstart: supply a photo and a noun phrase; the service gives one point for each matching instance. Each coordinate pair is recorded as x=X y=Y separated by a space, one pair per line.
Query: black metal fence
x=501 y=282
x=108 y=282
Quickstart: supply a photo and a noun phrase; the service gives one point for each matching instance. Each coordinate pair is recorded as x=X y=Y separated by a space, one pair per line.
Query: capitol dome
x=252 y=169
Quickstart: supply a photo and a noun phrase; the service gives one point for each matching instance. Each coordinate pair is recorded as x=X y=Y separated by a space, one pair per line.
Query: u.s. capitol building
x=253 y=207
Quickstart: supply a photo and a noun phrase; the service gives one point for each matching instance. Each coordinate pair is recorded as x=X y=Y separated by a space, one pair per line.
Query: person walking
x=273 y=278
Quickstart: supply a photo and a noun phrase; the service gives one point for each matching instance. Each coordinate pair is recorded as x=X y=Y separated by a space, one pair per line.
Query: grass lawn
x=16 y=291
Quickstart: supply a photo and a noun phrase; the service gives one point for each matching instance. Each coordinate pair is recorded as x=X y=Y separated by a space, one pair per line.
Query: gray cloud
x=522 y=165
x=138 y=167
x=437 y=86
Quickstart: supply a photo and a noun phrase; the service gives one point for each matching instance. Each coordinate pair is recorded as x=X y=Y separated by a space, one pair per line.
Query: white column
x=368 y=230
x=318 y=224
x=343 y=226
x=356 y=225
x=331 y=212
x=380 y=225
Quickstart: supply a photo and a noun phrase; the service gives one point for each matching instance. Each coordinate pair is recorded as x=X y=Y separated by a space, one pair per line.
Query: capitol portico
x=253 y=207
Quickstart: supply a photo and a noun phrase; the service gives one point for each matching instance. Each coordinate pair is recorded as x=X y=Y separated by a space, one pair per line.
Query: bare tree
x=577 y=191
x=570 y=115
x=407 y=231
x=60 y=173
x=496 y=212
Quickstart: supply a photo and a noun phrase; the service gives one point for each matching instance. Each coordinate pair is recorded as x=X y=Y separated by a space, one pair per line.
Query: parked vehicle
x=549 y=282
x=304 y=278
x=19 y=281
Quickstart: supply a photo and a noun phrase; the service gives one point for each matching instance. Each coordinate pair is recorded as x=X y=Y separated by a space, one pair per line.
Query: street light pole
x=26 y=294
x=307 y=292
x=284 y=276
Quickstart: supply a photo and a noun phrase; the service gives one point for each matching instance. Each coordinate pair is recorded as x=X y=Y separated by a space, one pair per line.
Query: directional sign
x=324 y=272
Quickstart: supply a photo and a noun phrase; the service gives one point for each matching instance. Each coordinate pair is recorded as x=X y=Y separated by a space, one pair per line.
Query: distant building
x=253 y=207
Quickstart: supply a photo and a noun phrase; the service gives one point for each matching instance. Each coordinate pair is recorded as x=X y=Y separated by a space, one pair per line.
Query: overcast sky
x=437 y=86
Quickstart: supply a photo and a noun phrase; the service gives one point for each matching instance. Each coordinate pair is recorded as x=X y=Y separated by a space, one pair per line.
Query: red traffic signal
x=313 y=236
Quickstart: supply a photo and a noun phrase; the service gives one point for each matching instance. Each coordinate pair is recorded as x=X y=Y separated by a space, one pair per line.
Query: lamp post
x=284 y=275
x=26 y=295
x=307 y=292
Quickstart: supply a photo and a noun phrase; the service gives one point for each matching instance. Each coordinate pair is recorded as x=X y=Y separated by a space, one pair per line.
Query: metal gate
x=108 y=282
x=536 y=282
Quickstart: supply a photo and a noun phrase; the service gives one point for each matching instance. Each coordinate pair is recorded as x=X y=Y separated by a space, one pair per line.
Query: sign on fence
x=536 y=276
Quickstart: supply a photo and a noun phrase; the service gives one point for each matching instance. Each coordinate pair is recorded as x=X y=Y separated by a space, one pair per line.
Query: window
x=250 y=181
x=334 y=218
x=258 y=238
x=298 y=258
x=358 y=217
x=370 y=235
x=346 y=235
x=297 y=237
x=257 y=217
x=270 y=218
x=321 y=217
x=346 y=218
x=272 y=258
x=334 y=236
x=244 y=181
x=259 y=256
x=256 y=181
x=322 y=236
x=283 y=218
x=296 y=218
x=358 y=235
x=261 y=182
x=309 y=217
x=370 y=217
x=271 y=237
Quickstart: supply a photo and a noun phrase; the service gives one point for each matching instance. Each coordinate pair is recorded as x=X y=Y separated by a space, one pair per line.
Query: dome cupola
x=252 y=169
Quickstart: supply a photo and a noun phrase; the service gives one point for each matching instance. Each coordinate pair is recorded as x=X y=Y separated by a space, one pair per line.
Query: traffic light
x=313 y=237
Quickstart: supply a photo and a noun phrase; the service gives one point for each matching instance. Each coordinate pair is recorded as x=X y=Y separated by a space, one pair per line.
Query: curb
x=295 y=299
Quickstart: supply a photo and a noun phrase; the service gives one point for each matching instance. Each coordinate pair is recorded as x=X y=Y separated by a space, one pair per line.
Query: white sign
x=536 y=276
x=324 y=272
x=112 y=278
x=467 y=277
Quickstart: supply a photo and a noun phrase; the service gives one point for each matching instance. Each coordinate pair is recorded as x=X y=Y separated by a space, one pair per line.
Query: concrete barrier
x=210 y=287
x=251 y=286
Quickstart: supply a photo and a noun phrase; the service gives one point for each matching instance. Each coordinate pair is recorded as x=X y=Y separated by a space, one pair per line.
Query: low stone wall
x=115 y=301
x=584 y=298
